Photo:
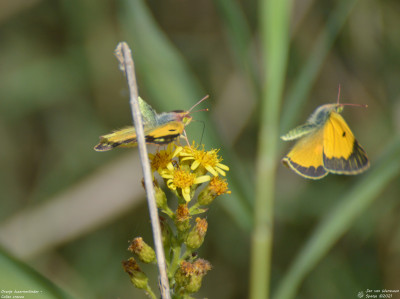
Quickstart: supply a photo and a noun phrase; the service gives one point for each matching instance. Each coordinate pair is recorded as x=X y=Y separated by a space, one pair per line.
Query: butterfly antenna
x=338 y=95
x=203 y=99
x=205 y=109
x=355 y=105
x=202 y=131
x=349 y=104
x=185 y=137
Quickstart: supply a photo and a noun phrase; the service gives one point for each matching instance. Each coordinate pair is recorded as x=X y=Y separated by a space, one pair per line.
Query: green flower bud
x=196 y=236
x=181 y=279
x=138 y=278
x=182 y=218
x=194 y=285
x=216 y=187
x=206 y=197
x=145 y=253
x=189 y=275
x=161 y=198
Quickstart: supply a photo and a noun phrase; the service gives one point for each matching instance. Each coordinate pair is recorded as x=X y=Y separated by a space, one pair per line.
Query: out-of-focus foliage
x=68 y=211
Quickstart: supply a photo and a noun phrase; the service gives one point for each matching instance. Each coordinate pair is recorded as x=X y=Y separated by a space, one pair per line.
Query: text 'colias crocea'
x=159 y=129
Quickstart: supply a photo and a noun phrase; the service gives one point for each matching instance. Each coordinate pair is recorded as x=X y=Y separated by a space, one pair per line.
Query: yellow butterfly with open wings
x=326 y=145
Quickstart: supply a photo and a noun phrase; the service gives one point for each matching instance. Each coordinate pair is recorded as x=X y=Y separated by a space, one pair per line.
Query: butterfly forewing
x=166 y=133
x=149 y=115
x=342 y=154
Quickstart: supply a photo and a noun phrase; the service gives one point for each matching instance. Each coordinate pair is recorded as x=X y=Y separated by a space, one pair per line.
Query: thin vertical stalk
x=123 y=53
x=274 y=24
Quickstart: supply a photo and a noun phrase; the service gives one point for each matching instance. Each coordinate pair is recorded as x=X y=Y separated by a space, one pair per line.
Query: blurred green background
x=67 y=212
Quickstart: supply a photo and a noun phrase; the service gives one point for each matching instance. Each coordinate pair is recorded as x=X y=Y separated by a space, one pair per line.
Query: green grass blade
x=160 y=67
x=239 y=37
x=353 y=204
x=297 y=95
x=17 y=276
x=274 y=22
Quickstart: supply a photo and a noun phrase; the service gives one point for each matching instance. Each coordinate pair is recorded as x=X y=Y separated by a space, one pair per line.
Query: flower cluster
x=188 y=172
x=184 y=169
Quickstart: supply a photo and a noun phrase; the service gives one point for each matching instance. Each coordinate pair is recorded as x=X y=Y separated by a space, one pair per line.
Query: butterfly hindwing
x=305 y=158
x=125 y=137
x=342 y=154
x=299 y=131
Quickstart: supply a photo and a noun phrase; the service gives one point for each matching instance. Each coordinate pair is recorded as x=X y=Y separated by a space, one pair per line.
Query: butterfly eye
x=339 y=109
x=187 y=119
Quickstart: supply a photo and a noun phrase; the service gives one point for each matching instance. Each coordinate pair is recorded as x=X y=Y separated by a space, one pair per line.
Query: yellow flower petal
x=186 y=194
x=211 y=170
x=195 y=164
x=177 y=151
x=223 y=166
x=221 y=172
x=186 y=158
x=202 y=179
x=170 y=184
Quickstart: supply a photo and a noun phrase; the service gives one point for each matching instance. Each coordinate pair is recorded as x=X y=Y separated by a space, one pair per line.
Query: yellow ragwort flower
x=178 y=178
x=216 y=187
x=161 y=159
x=209 y=160
x=219 y=186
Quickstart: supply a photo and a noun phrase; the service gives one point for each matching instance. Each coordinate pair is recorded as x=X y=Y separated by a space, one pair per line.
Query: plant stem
x=150 y=292
x=123 y=54
x=176 y=251
x=274 y=16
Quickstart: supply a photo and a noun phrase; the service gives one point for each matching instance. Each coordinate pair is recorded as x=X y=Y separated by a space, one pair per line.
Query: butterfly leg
x=185 y=137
